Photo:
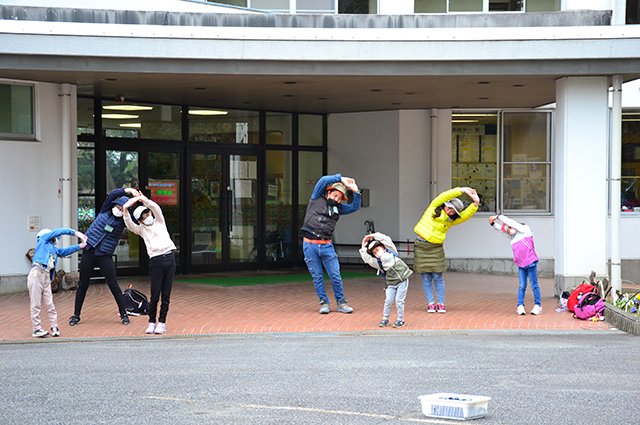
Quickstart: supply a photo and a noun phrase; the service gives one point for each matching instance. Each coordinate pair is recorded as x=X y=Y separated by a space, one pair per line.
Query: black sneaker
x=383 y=323
x=398 y=324
x=74 y=320
x=125 y=319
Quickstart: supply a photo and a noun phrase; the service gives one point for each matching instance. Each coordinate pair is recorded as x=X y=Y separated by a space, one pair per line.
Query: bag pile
x=586 y=302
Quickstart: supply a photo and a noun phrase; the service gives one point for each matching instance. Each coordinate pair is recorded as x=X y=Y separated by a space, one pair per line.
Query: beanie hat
x=456 y=204
x=123 y=200
x=138 y=211
x=340 y=187
x=42 y=232
x=373 y=244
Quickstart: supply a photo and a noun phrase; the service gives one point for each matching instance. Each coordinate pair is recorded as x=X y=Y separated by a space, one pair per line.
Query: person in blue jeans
x=525 y=257
x=323 y=212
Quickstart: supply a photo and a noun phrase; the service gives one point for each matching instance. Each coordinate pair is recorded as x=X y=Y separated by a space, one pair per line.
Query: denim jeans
x=532 y=273
x=399 y=293
x=316 y=256
x=427 y=285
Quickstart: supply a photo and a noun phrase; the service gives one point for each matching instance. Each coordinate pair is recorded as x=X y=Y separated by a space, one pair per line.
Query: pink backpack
x=589 y=305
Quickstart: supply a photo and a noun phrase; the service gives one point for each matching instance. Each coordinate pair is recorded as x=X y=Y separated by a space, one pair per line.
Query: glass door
x=224 y=209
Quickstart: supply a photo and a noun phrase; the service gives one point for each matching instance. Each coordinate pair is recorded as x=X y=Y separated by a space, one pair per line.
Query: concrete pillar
x=580 y=165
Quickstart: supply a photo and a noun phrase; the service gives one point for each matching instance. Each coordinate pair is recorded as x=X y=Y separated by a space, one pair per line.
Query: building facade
x=228 y=115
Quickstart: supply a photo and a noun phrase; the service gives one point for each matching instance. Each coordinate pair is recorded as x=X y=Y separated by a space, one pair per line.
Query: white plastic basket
x=454 y=406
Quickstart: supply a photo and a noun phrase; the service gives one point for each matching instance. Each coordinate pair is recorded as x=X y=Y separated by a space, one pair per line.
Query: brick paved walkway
x=474 y=302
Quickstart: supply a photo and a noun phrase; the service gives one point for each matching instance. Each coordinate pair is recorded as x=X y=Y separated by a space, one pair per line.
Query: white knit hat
x=138 y=211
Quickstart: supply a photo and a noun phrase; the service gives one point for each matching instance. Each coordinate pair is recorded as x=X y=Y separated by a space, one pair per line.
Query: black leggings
x=107 y=268
x=161 y=271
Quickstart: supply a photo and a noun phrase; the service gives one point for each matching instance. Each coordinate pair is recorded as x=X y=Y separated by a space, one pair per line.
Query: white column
x=616 y=168
x=396 y=7
x=65 y=96
x=580 y=189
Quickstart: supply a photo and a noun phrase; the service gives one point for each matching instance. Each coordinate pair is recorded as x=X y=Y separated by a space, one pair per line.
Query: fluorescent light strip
x=127 y=108
x=120 y=116
x=206 y=112
x=132 y=125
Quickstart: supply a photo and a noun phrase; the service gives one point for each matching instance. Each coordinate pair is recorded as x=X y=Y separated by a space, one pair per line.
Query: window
x=16 y=112
x=630 y=161
x=505 y=156
x=141 y=121
x=224 y=126
x=484 y=6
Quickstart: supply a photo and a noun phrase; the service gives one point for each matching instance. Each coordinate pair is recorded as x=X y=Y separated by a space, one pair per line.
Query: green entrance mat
x=268 y=280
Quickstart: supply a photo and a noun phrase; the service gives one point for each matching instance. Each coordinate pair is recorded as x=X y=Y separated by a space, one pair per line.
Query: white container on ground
x=454 y=406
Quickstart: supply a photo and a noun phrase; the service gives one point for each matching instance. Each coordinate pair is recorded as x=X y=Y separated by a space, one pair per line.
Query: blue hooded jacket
x=46 y=249
x=104 y=233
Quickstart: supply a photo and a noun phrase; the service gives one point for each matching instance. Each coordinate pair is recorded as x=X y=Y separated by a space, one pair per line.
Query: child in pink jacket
x=524 y=255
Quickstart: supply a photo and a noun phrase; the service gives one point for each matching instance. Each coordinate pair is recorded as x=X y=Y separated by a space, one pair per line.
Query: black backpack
x=135 y=302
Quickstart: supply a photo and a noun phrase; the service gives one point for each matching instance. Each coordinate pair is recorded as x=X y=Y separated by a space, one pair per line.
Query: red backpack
x=579 y=292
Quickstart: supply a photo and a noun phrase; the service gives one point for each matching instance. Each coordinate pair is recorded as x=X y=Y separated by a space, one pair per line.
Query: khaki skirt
x=429 y=257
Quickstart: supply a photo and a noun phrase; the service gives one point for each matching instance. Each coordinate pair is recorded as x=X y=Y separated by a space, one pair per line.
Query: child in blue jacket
x=42 y=270
x=524 y=255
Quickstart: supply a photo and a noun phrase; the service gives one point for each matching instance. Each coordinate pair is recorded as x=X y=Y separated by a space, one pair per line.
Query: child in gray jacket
x=380 y=253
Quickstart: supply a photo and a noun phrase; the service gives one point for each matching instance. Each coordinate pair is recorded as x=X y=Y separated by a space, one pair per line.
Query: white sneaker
x=160 y=329
x=520 y=310
x=536 y=310
x=151 y=328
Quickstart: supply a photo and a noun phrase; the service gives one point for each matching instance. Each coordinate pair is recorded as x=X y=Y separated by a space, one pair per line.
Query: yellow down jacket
x=434 y=230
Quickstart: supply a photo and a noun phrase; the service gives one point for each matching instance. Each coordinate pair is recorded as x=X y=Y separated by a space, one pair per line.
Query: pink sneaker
x=160 y=328
x=432 y=308
x=151 y=328
x=441 y=308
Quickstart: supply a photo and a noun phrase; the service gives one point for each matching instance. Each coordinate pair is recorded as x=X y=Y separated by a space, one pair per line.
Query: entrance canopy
x=313 y=64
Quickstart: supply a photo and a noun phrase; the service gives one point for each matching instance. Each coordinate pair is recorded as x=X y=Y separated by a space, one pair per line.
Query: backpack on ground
x=135 y=302
x=585 y=288
x=589 y=305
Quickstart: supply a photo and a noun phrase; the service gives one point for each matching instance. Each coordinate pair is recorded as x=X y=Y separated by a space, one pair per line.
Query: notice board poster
x=164 y=192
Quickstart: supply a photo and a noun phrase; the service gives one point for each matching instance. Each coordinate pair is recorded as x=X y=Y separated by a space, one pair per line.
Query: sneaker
x=55 y=331
x=39 y=333
x=398 y=324
x=343 y=307
x=536 y=310
x=74 y=320
x=441 y=308
x=520 y=310
x=383 y=323
x=432 y=308
x=125 y=319
x=151 y=328
x=324 y=308
x=160 y=328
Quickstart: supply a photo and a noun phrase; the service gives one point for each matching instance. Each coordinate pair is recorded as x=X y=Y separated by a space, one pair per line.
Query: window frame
x=25 y=137
x=500 y=162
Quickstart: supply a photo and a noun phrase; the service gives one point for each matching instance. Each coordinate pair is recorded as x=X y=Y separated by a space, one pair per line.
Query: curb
x=622 y=320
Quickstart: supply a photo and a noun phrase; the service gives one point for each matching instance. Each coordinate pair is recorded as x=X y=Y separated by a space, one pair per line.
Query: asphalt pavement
x=323 y=378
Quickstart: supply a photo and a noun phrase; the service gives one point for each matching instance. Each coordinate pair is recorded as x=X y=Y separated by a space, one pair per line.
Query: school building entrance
x=233 y=185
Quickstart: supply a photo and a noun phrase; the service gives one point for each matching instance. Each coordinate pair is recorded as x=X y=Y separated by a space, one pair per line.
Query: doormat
x=268 y=280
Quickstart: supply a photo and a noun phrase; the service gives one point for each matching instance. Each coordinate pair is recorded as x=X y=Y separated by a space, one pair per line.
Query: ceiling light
x=474 y=115
x=131 y=125
x=631 y=119
x=464 y=120
x=206 y=112
x=127 y=108
x=119 y=116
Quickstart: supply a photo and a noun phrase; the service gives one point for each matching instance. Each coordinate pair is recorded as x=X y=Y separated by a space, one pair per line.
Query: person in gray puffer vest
x=323 y=212
x=102 y=239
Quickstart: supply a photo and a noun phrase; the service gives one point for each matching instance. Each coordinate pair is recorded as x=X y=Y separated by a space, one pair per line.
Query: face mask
x=116 y=212
x=386 y=256
x=332 y=202
x=148 y=221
